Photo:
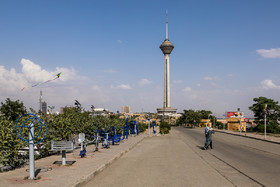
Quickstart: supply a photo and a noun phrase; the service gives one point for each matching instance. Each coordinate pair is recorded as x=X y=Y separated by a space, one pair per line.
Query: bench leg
x=64 y=158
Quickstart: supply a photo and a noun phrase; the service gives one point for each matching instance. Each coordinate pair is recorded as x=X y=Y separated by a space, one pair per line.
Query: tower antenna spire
x=166 y=25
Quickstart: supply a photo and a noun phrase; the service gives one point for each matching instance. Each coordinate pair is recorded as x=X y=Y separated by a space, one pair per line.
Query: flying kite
x=57 y=76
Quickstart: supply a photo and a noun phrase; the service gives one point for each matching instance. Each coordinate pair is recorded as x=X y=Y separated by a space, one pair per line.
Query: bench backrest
x=62 y=146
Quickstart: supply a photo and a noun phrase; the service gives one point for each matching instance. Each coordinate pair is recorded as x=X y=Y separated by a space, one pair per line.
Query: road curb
x=103 y=166
x=247 y=137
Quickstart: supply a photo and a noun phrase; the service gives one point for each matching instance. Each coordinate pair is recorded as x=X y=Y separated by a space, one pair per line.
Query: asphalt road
x=257 y=160
x=179 y=160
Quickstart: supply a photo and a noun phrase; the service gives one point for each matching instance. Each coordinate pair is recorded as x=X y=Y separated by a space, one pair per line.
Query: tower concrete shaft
x=166 y=101
x=166 y=47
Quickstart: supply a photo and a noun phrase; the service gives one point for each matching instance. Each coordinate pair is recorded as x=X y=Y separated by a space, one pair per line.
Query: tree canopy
x=193 y=117
x=12 y=109
x=258 y=108
x=204 y=113
x=272 y=112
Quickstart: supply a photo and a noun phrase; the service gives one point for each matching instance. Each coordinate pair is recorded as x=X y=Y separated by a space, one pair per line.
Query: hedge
x=60 y=127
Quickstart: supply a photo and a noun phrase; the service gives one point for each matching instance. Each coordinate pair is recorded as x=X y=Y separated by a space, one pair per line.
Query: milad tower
x=166 y=47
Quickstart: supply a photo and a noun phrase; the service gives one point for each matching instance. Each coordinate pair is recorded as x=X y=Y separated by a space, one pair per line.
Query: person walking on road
x=207 y=129
x=208 y=135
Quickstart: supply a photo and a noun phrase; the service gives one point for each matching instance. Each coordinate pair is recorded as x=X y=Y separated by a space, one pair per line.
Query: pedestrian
x=207 y=129
x=206 y=133
x=208 y=141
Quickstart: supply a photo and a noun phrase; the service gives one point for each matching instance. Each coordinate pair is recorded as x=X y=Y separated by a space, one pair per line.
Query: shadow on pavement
x=67 y=162
x=200 y=147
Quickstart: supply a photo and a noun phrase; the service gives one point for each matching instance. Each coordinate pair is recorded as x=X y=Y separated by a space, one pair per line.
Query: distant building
x=100 y=111
x=234 y=124
x=44 y=107
x=42 y=104
x=40 y=101
x=126 y=109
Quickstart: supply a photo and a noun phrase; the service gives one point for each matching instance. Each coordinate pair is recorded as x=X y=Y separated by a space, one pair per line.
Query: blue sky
x=226 y=53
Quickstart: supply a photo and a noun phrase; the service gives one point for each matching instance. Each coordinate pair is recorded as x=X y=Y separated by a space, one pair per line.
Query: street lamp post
x=239 y=113
x=214 y=121
x=126 y=126
x=265 y=121
x=149 y=126
x=240 y=123
x=224 y=121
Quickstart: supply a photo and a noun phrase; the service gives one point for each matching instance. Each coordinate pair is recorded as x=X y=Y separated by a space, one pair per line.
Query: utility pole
x=239 y=113
x=225 y=121
x=149 y=126
x=265 y=121
x=214 y=126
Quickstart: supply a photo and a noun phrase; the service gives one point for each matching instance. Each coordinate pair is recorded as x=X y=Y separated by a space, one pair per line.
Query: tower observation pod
x=166 y=47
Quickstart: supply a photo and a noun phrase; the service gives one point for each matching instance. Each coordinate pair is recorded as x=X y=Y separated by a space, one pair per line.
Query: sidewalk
x=169 y=160
x=252 y=135
x=83 y=169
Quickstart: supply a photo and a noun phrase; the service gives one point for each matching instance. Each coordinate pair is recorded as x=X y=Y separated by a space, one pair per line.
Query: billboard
x=235 y=114
x=229 y=114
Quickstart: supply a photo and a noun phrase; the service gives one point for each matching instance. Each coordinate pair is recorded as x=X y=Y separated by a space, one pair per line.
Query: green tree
x=272 y=113
x=10 y=144
x=258 y=108
x=33 y=111
x=190 y=117
x=12 y=109
x=193 y=117
x=204 y=114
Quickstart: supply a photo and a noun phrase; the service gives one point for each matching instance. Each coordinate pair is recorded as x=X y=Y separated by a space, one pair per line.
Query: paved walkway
x=168 y=160
x=83 y=169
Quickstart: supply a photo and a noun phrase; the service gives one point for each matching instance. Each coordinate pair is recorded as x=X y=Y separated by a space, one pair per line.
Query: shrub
x=60 y=127
x=219 y=125
x=164 y=127
x=142 y=127
x=10 y=144
x=271 y=127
